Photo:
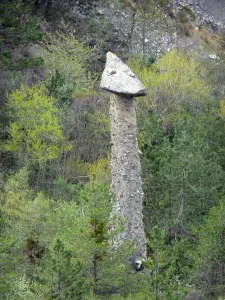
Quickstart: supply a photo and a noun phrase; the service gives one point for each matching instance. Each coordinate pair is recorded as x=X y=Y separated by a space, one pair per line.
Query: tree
x=26 y=235
x=20 y=290
x=145 y=11
x=210 y=262
x=83 y=231
x=34 y=131
x=83 y=234
x=167 y=266
x=66 y=59
x=148 y=10
x=17 y=24
x=175 y=84
x=181 y=173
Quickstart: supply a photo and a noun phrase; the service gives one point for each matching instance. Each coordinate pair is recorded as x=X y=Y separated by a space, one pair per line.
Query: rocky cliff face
x=192 y=25
x=185 y=24
x=213 y=8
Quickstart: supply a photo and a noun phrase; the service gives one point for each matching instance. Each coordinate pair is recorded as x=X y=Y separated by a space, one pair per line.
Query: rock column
x=126 y=188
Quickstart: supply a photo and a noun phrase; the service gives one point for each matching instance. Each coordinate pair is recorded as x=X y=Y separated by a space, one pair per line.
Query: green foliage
x=20 y=290
x=83 y=121
x=82 y=230
x=80 y=240
x=210 y=260
x=27 y=63
x=7 y=240
x=6 y=61
x=62 y=273
x=184 y=17
x=83 y=218
x=66 y=61
x=212 y=242
x=11 y=13
x=5 y=58
x=146 y=9
x=68 y=240
x=29 y=210
x=28 y=230
x=29 y=31
x=99 y=123
x=17 y=193
x=69 y=192
x=222 y=109
x=58 y=249
x=34 y=132
x=165 y=264
x=17 y=23
x=175 y=83
x=184 y=177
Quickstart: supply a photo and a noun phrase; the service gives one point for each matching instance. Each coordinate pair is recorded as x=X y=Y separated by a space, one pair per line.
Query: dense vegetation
x=55 y=174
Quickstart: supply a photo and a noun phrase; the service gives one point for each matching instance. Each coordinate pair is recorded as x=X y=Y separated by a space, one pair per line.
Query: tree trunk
x=130 y=34
x=48 y=7
x=59 y=277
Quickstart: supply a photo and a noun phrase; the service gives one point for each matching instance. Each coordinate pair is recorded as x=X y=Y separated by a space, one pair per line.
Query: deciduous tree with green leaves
x=34 y=130
x=66 y=61
x=175 y=83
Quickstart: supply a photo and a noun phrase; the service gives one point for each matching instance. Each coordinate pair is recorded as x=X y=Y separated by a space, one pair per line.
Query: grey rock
x=213 y=56
x=118 y=78
x=195 y=295
x=100 y=11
